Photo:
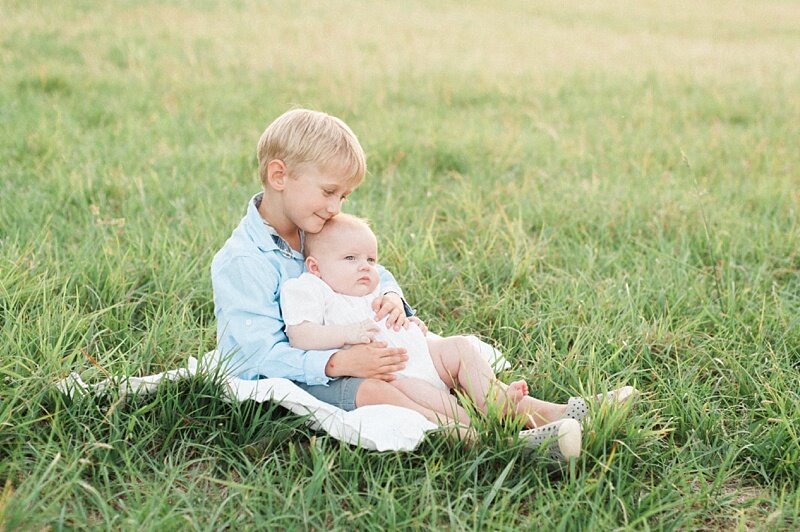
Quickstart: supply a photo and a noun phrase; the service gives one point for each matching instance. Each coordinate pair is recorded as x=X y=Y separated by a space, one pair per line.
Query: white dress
x=308 y=298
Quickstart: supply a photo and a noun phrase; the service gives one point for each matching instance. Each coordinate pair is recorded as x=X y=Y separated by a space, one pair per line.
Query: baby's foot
x=517 y=390
x=513 y=394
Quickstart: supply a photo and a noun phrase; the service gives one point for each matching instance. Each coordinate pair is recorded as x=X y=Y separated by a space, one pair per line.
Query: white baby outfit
x=308 y=298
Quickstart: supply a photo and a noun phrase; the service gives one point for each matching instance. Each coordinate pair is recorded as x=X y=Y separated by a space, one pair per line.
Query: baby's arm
x=303 y=308
x=308 y=335
x=390 y=304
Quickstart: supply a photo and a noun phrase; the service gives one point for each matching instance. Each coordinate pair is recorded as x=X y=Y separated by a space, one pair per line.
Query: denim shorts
x=340 y=392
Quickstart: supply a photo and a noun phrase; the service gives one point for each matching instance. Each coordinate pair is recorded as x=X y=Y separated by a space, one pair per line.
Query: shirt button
x=248 y=322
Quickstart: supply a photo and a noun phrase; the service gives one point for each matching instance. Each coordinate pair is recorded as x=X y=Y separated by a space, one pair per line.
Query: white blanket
x=377 y=427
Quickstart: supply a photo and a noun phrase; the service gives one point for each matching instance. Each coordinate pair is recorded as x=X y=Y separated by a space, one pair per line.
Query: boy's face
x=312 y=195
x=346 y=260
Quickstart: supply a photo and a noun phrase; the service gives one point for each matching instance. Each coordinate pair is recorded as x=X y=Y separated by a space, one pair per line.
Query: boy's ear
x=312 y=266
x=276 y=174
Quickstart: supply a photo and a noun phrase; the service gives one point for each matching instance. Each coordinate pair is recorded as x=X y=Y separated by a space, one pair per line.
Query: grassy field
x=609 y=190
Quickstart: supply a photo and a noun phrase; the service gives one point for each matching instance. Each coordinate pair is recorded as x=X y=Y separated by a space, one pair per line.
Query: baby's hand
x=360 y=333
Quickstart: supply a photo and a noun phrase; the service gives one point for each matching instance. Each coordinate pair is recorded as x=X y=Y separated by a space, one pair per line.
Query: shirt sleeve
x=389 y=284
x=250 y=328
x=302 y=301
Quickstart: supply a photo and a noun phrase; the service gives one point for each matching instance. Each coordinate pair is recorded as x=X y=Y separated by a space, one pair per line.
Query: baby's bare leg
x=378 y=392
x=459 y=363
x=432 y=397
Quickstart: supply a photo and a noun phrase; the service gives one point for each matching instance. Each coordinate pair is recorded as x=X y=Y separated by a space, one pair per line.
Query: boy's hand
x=368 y=361
x=391 y=306
x=360 y=333
x=420 y=324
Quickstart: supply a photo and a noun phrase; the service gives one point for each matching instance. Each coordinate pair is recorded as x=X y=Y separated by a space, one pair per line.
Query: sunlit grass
x=607 y=190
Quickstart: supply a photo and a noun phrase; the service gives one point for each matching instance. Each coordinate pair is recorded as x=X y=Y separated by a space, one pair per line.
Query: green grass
x=607 y=190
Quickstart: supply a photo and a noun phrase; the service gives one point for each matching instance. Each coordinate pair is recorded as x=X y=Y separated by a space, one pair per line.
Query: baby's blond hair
x=301 y=136
x=340 y=221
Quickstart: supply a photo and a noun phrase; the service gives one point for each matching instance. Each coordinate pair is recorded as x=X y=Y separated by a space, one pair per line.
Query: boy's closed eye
x=328 y=193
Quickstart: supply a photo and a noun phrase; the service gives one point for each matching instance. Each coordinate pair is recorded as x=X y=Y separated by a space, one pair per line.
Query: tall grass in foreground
x=607 y=191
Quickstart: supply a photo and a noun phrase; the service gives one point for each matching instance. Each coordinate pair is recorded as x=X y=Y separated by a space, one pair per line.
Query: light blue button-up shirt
x=246 y=275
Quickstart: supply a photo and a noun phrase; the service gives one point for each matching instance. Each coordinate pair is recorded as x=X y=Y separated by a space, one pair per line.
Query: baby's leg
x=378 y=392
x=459 y=363
x=429 y=396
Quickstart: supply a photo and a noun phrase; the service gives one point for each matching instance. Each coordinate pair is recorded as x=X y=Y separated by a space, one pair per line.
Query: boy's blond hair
x=302 y=136
x=340 y=221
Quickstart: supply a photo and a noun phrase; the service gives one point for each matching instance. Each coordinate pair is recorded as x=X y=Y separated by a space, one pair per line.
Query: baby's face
x=347 y=261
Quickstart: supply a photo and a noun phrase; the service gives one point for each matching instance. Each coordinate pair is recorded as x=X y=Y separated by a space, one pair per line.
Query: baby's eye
x=370 y=260
x=349 y=257
x=328 y=192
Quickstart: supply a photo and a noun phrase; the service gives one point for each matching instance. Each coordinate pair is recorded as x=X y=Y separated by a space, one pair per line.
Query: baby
x=330 y=307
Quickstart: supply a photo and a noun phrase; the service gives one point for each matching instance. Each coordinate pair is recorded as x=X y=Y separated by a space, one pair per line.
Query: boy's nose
x=334 y=207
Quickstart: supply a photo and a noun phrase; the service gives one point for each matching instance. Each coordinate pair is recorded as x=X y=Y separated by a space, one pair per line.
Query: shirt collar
x=264 y=235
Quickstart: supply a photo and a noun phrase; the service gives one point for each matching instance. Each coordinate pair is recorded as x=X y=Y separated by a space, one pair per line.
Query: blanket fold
x=375 y=427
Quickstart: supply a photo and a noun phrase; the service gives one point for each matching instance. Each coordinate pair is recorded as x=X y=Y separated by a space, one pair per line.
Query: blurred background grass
x=608 y=190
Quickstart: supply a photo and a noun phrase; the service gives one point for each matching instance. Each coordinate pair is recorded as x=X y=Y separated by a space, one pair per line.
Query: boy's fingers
x=388 y=369
x=392 y=362
x=396 y=314
x=391 y=321
x=393 y=351
x=395 y=361
x=380 y=309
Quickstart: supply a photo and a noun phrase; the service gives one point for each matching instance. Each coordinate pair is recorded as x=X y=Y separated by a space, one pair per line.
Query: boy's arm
x=250 y=327
x=388 y=282
x=308 y=335
x=391 y=303
x=251 y=337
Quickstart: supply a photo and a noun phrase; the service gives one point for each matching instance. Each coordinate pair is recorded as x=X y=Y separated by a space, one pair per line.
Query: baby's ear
x=312 y=266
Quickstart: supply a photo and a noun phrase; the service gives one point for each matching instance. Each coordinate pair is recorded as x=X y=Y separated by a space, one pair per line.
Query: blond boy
x=308 y=162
